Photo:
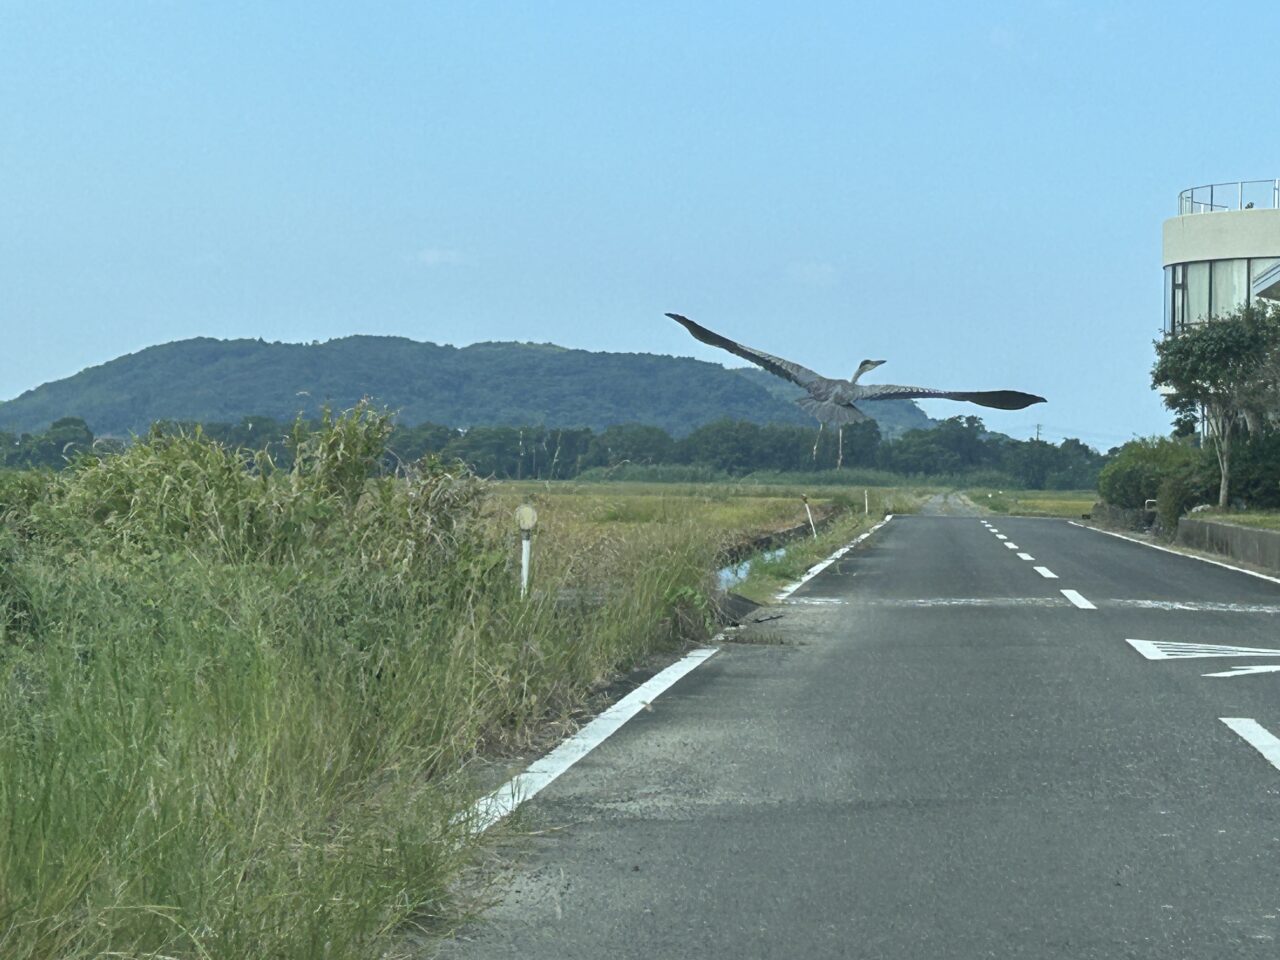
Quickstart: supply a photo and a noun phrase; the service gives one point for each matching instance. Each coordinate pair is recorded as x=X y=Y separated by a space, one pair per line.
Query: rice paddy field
x=585 y=523
x=1035 y=503
x=239 y=706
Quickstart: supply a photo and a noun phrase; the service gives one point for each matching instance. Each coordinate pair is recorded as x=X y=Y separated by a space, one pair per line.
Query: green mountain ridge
x=491 y=383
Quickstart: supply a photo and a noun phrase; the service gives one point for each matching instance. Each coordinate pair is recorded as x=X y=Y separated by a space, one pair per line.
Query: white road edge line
x=497 y=806
x=1046 y=573
x=817 y=568
x=1176 y=553
x=1257 y=736
x=1025 y=556
x=1078 y=600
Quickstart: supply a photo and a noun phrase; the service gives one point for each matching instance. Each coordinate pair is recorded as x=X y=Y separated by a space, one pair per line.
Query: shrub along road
x=949 y=747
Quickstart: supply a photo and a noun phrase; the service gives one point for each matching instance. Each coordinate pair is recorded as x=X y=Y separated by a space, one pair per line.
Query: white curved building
x=1221 y=251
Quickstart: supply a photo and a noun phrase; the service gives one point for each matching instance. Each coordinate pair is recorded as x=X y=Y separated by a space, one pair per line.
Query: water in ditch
x=730 y=576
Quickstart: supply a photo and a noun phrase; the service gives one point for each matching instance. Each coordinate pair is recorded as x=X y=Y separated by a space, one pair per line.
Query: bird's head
x=863 y=367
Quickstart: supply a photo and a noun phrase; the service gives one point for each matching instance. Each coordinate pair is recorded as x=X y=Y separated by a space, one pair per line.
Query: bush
x=1255 y=472
x=1134 y=476
x=1174 y=497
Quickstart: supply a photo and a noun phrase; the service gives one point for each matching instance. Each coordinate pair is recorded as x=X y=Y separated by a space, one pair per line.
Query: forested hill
x=211 y=380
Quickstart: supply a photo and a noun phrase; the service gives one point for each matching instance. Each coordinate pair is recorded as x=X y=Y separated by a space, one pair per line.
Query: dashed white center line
x=1046 y=573
x=1001 y=536
x=1257 y=736
x=1025 y=556
x=1078 y=600
x=1011 y=545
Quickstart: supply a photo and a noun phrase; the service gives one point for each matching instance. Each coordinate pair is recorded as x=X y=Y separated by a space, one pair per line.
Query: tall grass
x=234 y=699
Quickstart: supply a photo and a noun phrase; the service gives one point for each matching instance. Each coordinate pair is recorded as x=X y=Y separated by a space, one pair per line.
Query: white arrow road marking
x=1257 y=737
x=1245 y=671
x=1171 y=650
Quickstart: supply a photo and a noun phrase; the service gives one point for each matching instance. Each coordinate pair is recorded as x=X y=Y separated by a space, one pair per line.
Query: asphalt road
x=937 y=754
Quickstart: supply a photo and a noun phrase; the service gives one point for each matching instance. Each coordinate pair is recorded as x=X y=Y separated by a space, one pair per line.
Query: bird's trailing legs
x=817 y=440
x=840 y=447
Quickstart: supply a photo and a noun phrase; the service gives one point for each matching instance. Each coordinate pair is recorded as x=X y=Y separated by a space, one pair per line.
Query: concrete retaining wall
x=1260 y=547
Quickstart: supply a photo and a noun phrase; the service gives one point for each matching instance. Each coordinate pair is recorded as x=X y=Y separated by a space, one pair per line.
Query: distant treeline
x=958 y=447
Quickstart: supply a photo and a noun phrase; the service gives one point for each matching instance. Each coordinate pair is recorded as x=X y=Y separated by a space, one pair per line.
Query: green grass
x=1265 y=520
x=1035 y=503
x=236 y=702
x=233 y=704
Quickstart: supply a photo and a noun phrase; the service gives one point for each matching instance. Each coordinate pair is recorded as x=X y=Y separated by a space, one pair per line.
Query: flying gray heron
x=832 y=401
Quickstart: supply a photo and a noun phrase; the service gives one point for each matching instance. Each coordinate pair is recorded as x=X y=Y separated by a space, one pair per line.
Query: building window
x=1193 y=292
x=1229 y=287
x=1197 y=292
x=1179 y=298
x=1168 y=300
x=1257 y=267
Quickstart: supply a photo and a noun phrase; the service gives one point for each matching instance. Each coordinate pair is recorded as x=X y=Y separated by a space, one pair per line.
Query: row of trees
x=63 y=441
x=956 y=447
x=1224 y=375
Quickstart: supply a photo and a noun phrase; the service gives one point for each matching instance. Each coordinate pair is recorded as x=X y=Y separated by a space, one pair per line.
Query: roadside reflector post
x=866 y=502
x=805 y=498
x=526 y=518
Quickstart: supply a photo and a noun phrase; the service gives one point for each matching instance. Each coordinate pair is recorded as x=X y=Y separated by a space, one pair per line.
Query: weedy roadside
x=235 y=699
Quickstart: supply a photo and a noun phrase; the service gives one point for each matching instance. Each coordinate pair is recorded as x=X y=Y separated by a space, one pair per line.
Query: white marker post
x=866 y=503
x=526 y=517
x=805 y=498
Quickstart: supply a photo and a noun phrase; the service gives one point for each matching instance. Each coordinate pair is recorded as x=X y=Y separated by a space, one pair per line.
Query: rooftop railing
x=1239 y=195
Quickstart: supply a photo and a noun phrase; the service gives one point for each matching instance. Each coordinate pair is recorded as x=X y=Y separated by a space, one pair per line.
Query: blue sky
x=974 y=194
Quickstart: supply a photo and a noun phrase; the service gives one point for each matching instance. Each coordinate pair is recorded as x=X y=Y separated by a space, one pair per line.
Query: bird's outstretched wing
x=775 y=365
x=1000 y=399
